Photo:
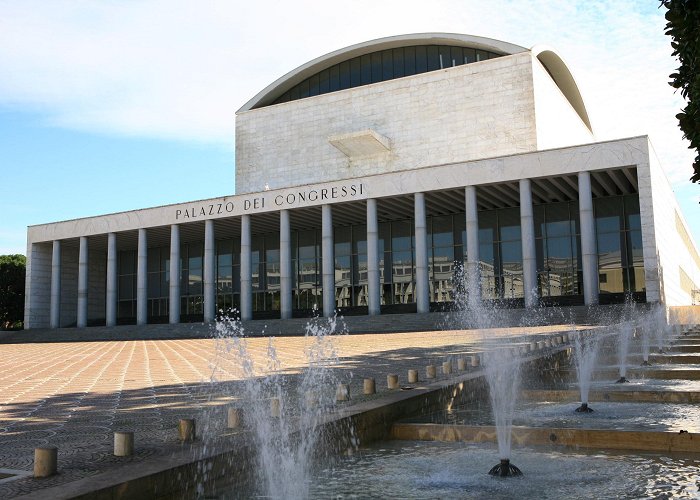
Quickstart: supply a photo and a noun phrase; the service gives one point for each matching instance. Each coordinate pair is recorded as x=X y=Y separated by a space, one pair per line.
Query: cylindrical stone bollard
x=461 y=364
x=186 y=429
x=533 y=346
x=45 y=461
x=540 y=344
x=412 y=376
x=233 y=418
x=446 y=367
x=123 y=444
x=430 y=371
x=275 y=408
x=392 y=381
x=370 y=386
x=342 y=393
x=475 y=360
x=548 y=343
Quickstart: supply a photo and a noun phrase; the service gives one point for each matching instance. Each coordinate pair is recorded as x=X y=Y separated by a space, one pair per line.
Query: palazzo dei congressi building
x=368 y=180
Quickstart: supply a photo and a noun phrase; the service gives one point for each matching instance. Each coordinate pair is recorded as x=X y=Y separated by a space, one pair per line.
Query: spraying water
x=623 y=347
x=503 y=377
x=585 y=351
x=284 y=412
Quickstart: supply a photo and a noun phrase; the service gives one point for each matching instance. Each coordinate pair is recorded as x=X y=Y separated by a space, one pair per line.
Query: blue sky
x=119 y=105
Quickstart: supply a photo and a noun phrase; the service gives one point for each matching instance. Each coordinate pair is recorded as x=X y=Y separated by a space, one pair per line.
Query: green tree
x=683 y=26
x=12 y=269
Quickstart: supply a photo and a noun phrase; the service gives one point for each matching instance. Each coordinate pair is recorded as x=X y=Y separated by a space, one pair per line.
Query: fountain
x=585 y=351
x=643 y=331
x=502 y=371
x=285 y=420
x=623 y=350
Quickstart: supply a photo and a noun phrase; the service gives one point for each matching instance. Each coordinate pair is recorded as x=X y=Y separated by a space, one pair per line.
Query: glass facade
x=384 y=65
x=619 y=242
x=558 y=247
x=500 y=254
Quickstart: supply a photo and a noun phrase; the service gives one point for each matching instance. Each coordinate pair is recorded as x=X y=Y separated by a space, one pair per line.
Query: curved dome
x=276 y=89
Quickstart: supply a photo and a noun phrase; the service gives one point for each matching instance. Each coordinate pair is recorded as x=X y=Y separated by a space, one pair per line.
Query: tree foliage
x=12 y=270
x=683 y=26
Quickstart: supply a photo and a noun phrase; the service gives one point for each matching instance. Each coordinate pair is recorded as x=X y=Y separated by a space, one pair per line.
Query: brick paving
x=74 y=395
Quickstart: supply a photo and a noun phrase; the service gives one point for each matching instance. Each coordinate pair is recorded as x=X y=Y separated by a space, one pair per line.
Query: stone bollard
x=275 y=408
x=548 y=343
x=186 y=430
x=370 y=386
x=533 y=346
x=461 y=364
x=540 y=344
x=342 y=393
x=123 y=444
x=475 y=360
x=45 y=461
x=446 y=367
x=430 y=371
x=233 y=418
x=392 y=381
x=412 y=376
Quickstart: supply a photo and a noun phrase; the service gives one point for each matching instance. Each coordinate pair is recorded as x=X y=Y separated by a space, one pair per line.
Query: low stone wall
x=684 y=315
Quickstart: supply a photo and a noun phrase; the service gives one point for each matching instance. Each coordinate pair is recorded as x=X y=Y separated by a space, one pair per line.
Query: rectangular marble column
x=111 y=295
x=589 y=255
x=422 y=286
x=209 y=274
x=472 y=275
x=142 y=279
x=328 y=261
x=174 y=282
x=373 y=277
x=527 y=236
x=55 y=305
x=285 y=266
x=246 y=270
x=81 y=320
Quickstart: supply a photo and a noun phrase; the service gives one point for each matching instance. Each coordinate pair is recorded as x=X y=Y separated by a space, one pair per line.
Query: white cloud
x=180 y=69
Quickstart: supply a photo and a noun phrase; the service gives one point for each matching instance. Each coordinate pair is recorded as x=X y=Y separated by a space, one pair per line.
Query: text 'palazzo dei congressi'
x=382 y=178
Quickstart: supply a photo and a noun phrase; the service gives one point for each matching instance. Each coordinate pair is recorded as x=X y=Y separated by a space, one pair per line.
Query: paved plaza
x=74 y=395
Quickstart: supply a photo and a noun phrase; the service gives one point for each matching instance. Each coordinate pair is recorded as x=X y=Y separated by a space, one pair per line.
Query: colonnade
x=588 y=259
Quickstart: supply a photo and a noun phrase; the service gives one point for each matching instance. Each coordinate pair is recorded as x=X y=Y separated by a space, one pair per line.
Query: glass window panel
x=153 y=285
x=457 y=56
x=442 y=231
x=127 y=262
x=511 y=255
x=344 y=75
x=445 y=56
x=433 y=55
x=607 y=224
x=387 y=64
x=634 y=246
x=126 y=287
x=224 y=259
x=401 y=235
x=376 y=58
x=314 y=85
x=558 y=228
x=294 y=93
x=609 y=243
x=359 y=239
x=421 y=59
x=481 y=55
x=304 y=89
x=409 y=60
x=366 y=69
x=399 y=70
x=355 y=72
x=360 y=269
x=195 y=282
x=324 y=78
x=634 y=221
x=402 y=266
x=334 y=78
x=509 y=222
x=469 y=55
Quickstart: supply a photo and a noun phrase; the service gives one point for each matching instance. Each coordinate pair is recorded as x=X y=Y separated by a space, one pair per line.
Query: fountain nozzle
x=584 y=408
x=505 y=469
x=622 y=380
x=646 y=363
